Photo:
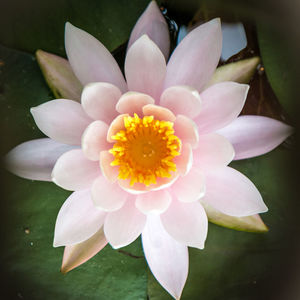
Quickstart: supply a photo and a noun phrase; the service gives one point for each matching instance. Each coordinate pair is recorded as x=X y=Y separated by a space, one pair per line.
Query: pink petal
x=167 y=259
x=116 y=125
x=158 y=112
x=153 y=202
x=109 y=172
x=190 y=187
x=184 y=161
x=145 y=67
x=62 y=120
x=221 y=104
x=152 y=23
x=139 y=188
x=94 y=140
x=133 y=102
x=123 y=226
x=232 y=193
x=35 y=159
x=214 y=151
x=195 y=59
x=255 y=135
x=90 y=60
x=77 y=220
x=186 y=223
x=75 y=255
x=186 y=130
x=182 y=100
x=106 y=195
x=73 y=171
x=99 y=100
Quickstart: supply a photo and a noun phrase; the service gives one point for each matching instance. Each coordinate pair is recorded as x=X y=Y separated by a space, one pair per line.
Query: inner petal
x=144 y=150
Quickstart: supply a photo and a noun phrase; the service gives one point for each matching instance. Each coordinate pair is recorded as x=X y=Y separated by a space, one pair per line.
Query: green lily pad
x=276 y=57
x=30 y=263
x=33 y=25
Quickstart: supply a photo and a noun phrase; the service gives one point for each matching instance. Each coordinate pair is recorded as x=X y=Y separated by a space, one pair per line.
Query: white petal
x=145 y=67
x=94 y=140
x=221 y=104
x=35 y=159
x=62 y=120
x=153 y=202
x=77 y=220
x=106 y=195
x=214 y=151
x=186 y=129
x=182 y=100
x=255 y=135
x=232 y=193
x=152 y=23
x=167 y=259
x=191 y=187
x=90 y=60
x=99 y=99
x=133 y=102
x=186 y=223
x=196 y=57
x=123 y=226
x=73 y=171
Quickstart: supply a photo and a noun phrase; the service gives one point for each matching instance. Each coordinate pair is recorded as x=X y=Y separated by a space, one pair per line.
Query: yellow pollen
x=145 y=150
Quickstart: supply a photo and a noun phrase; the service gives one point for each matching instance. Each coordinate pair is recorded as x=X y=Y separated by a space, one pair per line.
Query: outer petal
x=99 y=100
x=77 y=220
x=190 y=187
x=167 y=259
x=35 y=159
x=73 y=171
x=62 y=120
x=255 y=135
x=186 y=130
x=132 y=102
x=233 y=193
x=222 y=103
x=75 y=255
x=182 y=100
x=94 y=140
x=90 y=60
x=145 y=67
x=123 y=226
x=214 y=151
x=106 y=195
x=153 y=202
x=152 y=23
x=186 y=223
x=194 y=60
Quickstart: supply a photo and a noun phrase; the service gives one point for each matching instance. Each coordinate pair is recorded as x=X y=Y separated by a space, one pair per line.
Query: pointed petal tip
x=64 y=270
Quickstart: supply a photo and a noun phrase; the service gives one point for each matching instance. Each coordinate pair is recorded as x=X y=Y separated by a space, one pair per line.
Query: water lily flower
x=141 y=155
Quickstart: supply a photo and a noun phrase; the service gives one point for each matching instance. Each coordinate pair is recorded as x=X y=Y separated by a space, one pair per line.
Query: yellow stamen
x=145 y=150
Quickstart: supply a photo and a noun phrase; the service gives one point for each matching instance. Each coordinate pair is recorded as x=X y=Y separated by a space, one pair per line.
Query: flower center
x=145 y=150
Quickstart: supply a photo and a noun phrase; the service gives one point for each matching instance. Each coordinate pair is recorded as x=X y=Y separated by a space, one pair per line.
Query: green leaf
x=59 y=76
x=277 y=60
x=34 y=24
x=238 y=265
x=28 y=259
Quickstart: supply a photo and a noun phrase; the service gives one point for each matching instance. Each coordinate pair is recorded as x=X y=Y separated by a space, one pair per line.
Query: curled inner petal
x=145 y=149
